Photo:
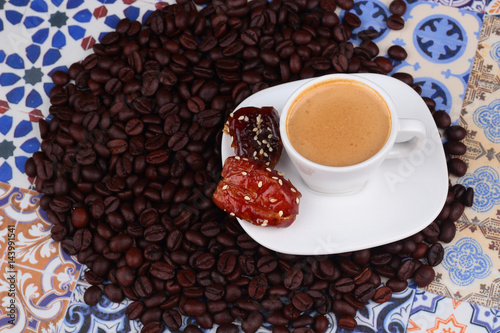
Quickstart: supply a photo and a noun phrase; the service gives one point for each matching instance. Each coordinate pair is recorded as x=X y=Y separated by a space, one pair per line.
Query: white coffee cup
x=352 y=178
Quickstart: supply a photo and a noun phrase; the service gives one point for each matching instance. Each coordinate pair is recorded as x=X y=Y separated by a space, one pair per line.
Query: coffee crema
x=338 y=123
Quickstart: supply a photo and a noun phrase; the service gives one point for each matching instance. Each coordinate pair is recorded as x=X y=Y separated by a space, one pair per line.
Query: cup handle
x=415 y=129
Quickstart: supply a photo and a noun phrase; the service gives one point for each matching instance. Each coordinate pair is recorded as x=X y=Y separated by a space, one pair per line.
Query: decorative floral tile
x=388 y=317
x=105 y=316
x=441 y=49
x=480 y=117
x=493 y=7
x=8 y=217
x=470 y=268
x=42 y=36
x=40 y=298
x=437 y=314
x=470 y=5
x=19 y=139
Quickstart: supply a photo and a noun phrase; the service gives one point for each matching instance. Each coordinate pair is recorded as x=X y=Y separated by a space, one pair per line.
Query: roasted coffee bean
x=92 y=295
x=258 y=287
x=223 y=317
x=442 y=119
x=457 y=167
x=226 y=263
x=302 y=301
x=342 y=308
x=276 y=318
x=456 y=132
x=457 y=209
x=134 y=257
x=424 y=276
x=352 y=20
x=382 y=295
x=172 y=319
x=194 y=307
x=458 y=191
x=125 y=276
x=364 y=292
x=214 y=292
x=186 y=278
x=143 y=287
x=342 y=33
x=435 y=254
x=324 y=269
x=368 y=34
x=344 y=285
x=155 y=300
x=114 y=293
x=100 y=266
x=320 y=324
x=448 y=231
x=405 y=270
x=162 y=270
x=293 y=279
x=397 y=7
x=395 y=22
x=431 y=231
x=347 y=322
x=152 y=327
x=302 y=320
x=194 y=329
x=345 y=4
x=396 y=52
x=349 y=267
x=134 y=310
x=404 y=77
x=384 y=64
x=267 y=264
x=226 y=328
x=468 y=197
x=303 y=330
x=155 y=233
x=120 y=243
x=420 y=251
x=380 y=259
x=396 y=285
x=252 y=323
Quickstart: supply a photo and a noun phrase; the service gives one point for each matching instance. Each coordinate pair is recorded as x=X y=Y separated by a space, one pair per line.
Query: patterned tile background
x=454 y=55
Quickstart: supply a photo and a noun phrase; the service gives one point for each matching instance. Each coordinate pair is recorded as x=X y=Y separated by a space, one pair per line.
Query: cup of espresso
x=338 y=129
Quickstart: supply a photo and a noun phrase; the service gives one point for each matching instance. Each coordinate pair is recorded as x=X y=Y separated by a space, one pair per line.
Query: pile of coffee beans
x=131 y=157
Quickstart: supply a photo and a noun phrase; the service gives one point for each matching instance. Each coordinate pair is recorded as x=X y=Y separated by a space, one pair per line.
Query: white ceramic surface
x=404 y=196
x=352 y=178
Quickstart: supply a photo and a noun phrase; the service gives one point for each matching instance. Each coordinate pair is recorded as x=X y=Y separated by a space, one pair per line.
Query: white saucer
x=403 y=198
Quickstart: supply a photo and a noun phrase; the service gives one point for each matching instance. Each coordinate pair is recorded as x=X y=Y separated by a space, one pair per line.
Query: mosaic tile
x=105 y=316
x=41 y=299
x=46 y=36
x=41 y=36
x=479 y=116
x=388 y=317
x=441 y=48
x=438 y=314
x=19 y=139
x=470 y=268
x=478 y=6
x=493 y=8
